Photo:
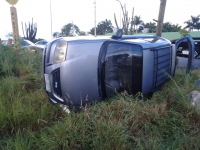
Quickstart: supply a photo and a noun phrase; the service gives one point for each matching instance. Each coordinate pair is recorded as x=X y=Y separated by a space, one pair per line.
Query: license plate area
x=47 y=82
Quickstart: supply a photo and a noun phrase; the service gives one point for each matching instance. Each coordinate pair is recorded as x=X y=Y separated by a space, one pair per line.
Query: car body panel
x=82 y=77
x=81 y=73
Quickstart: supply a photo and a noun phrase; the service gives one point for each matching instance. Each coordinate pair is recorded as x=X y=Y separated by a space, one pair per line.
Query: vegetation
x=151 y=27
x=137 y=21
x=30 y=31
x=103 y=27
x=130 y=26
x=29 y=121
x=168 y=27
x=69 y=29
x=193 y=23
x=125 y=19
x=183 y=32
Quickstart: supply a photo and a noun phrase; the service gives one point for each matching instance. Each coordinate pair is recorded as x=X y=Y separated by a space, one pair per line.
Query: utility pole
x=161 y=17
x=95 y=18
x=73 y=33
x=51 y=20
x=120 y=20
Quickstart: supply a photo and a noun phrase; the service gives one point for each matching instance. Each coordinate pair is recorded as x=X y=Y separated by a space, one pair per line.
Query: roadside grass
x=29 y=121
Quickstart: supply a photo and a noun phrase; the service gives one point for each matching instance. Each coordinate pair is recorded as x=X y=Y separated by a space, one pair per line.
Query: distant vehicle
x=4 y=42
x=30 y=45
x=81 y=70
x=41 y=43
x=25 y=44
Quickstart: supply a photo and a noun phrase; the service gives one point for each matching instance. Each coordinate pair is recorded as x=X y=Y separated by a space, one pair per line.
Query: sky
x=82 y=14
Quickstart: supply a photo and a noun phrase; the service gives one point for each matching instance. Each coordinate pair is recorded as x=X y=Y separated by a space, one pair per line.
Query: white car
x=30 y=45
x=41 y=43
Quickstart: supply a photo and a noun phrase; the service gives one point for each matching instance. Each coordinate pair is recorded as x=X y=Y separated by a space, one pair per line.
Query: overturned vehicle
x=81 y=70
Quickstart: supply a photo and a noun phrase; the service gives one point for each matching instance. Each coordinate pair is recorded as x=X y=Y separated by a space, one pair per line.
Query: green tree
x=82 y=33
x=70 y=30
x=169 y=27
x=198 y=26
x=193 y=23
x=140 y=28
x=103 y=27
x=137 y=21
x=176 y=27
x=151 y=27
x=56 y=34
x=183 y=32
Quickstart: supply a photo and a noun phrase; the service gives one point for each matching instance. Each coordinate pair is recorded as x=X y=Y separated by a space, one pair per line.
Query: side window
x=123 y=63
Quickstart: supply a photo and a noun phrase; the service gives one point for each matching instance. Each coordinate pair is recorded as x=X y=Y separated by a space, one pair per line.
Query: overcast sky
x=81 y=12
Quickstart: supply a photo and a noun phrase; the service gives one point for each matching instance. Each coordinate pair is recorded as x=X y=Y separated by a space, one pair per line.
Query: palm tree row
x=139 y=25
x=193 y=23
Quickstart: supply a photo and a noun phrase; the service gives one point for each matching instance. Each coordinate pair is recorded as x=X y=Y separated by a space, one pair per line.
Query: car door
x=191 y=50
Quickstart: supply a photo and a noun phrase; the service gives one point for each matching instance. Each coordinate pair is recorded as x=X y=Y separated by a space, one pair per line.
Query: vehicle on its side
x=80 y=70
x=41 y=43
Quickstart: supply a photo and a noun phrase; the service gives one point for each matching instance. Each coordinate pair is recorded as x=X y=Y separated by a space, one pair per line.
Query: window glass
x=123 y=62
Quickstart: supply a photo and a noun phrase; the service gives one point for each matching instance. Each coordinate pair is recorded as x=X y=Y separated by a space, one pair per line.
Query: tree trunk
x=161 y=17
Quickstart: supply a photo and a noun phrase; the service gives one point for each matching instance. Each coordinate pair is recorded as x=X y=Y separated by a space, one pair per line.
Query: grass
x=29 y=121
x=168 y=35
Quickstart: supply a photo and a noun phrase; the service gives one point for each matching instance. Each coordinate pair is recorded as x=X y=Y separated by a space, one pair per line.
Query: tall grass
x=29 y=121
x=23 y=102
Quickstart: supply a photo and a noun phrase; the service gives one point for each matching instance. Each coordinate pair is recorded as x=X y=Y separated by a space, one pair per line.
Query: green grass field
x=28 y=121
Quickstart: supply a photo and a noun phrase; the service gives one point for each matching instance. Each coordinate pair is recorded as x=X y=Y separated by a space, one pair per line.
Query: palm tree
x=108 y=26
x=56 y=34
x=198 y=26
x=137 y=21
x=151 y=27
x=167 y=27
x=192 y=23
x=176 y=27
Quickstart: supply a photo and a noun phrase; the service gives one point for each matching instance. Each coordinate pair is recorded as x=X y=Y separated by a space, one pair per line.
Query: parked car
x=26 y=44
x=78 y=71
x=30 y=45
x=41 y=43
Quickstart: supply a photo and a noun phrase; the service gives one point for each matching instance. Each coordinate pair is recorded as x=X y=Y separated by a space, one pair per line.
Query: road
x=182 y=62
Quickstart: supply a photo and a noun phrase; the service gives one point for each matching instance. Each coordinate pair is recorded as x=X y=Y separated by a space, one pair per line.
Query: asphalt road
x=182 y=62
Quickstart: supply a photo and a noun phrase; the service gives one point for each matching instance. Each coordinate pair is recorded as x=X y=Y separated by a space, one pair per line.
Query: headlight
x=60 y=51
